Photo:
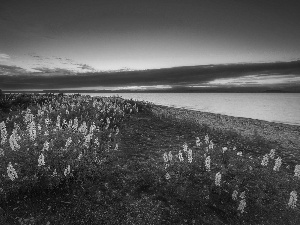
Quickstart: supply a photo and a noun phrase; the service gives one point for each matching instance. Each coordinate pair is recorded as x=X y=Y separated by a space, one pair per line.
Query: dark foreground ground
x=129 y=190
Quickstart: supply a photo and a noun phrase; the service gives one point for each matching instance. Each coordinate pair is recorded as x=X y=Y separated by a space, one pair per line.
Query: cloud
x=53 y=71
x=260 y=74
x=85 y=67
x=4 y=57
x=11 y=70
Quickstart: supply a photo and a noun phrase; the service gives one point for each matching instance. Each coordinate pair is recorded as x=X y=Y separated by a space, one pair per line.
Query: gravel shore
x=287 y=137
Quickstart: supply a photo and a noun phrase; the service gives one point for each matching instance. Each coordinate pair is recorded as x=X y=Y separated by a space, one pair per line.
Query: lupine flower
x=107 y=123
x=80 y=156
x=198 y=142
x=87 y=140
x=239 y=153
x=96 y=141
x=170 y=156
x=166 y=158
x=11 y=172
x=28 y=117
x=272 y=153
x=224 y=149
x=234 y=148
x=218 y=179
x=243 y=194
x=46 y=146
x=58 y=121
x=265 y=160
x=54 y=173
x=32 y=130
x=14 y=137
x=70 y=124
x=190 y=155
x=211 y=145
x=277 y=164
x=293 y=199
x=242 y=205
x=41 y=160
x=185 y=147
x=3 y=132
x=207 y=163
x=75 y=124
x=116 y=147
x=167 y=165
x=47 y=121
x=180 y=156
x=67 y=170
x=168 y=176
x=92 y=128
x=83 y=128
x=69 y=141
x=1 y=152
x=297 y=171
x=206 y=138
x=234 y=195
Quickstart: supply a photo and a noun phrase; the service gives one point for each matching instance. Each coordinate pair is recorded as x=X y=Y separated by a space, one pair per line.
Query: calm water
x=281 y=107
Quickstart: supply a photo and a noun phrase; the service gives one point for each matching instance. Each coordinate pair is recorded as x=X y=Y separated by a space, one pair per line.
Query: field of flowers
x=60 y=138
x=135 y=165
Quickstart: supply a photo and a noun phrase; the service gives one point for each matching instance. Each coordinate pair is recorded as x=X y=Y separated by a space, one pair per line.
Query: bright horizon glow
x=257 y=80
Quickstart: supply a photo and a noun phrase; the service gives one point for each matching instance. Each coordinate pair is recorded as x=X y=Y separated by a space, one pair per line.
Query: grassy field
x=83 y=160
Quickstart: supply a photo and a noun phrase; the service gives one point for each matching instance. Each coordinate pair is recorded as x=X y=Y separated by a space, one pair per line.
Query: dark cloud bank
x=179 y=78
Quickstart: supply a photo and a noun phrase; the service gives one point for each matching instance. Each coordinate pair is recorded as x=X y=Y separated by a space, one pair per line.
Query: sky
x=44 y=43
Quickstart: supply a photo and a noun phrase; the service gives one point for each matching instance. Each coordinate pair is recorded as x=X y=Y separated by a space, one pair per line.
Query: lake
x=273 y=107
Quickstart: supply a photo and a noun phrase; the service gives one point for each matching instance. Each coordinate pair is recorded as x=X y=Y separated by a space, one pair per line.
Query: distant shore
x=284 y=135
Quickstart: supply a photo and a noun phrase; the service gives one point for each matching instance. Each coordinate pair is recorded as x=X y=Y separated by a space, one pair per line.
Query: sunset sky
x=45 y=44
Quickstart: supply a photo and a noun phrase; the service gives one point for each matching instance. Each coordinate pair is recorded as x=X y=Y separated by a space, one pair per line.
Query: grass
x=129 y=186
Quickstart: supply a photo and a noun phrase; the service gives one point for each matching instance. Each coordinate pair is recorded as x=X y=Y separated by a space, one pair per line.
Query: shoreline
x=285 y=135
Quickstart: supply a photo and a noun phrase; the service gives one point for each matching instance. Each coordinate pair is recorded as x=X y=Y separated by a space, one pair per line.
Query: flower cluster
x=265 y=160
x=13 y=140
x=293 y=200
x=218 y=179
x=278 y=163
x=297 y=171
x=3 y=132
x=207 y=163
x=11 y=172
x=242 y=204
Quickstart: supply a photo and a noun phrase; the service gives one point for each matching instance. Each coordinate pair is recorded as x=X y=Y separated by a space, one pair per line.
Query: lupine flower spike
x=277 y=164
x=207 y=163
x=297 y=171
x=41 y=160
x=11 y=172
x=272 y=153
x=180 y=156
x=218 y=179
x=198 y=142
x=293 y=200
x=166 y=158
x=234 y=195
x=190 y=155
x=265 y=160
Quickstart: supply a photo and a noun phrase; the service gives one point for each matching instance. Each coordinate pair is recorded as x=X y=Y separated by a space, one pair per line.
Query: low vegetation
x=71 y=159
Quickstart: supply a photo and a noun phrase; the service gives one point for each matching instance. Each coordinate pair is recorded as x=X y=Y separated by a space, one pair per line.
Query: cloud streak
x=260 y=74
x=4 y=57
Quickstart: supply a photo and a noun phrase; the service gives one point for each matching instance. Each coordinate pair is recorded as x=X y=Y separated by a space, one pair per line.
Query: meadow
x=72 y=159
